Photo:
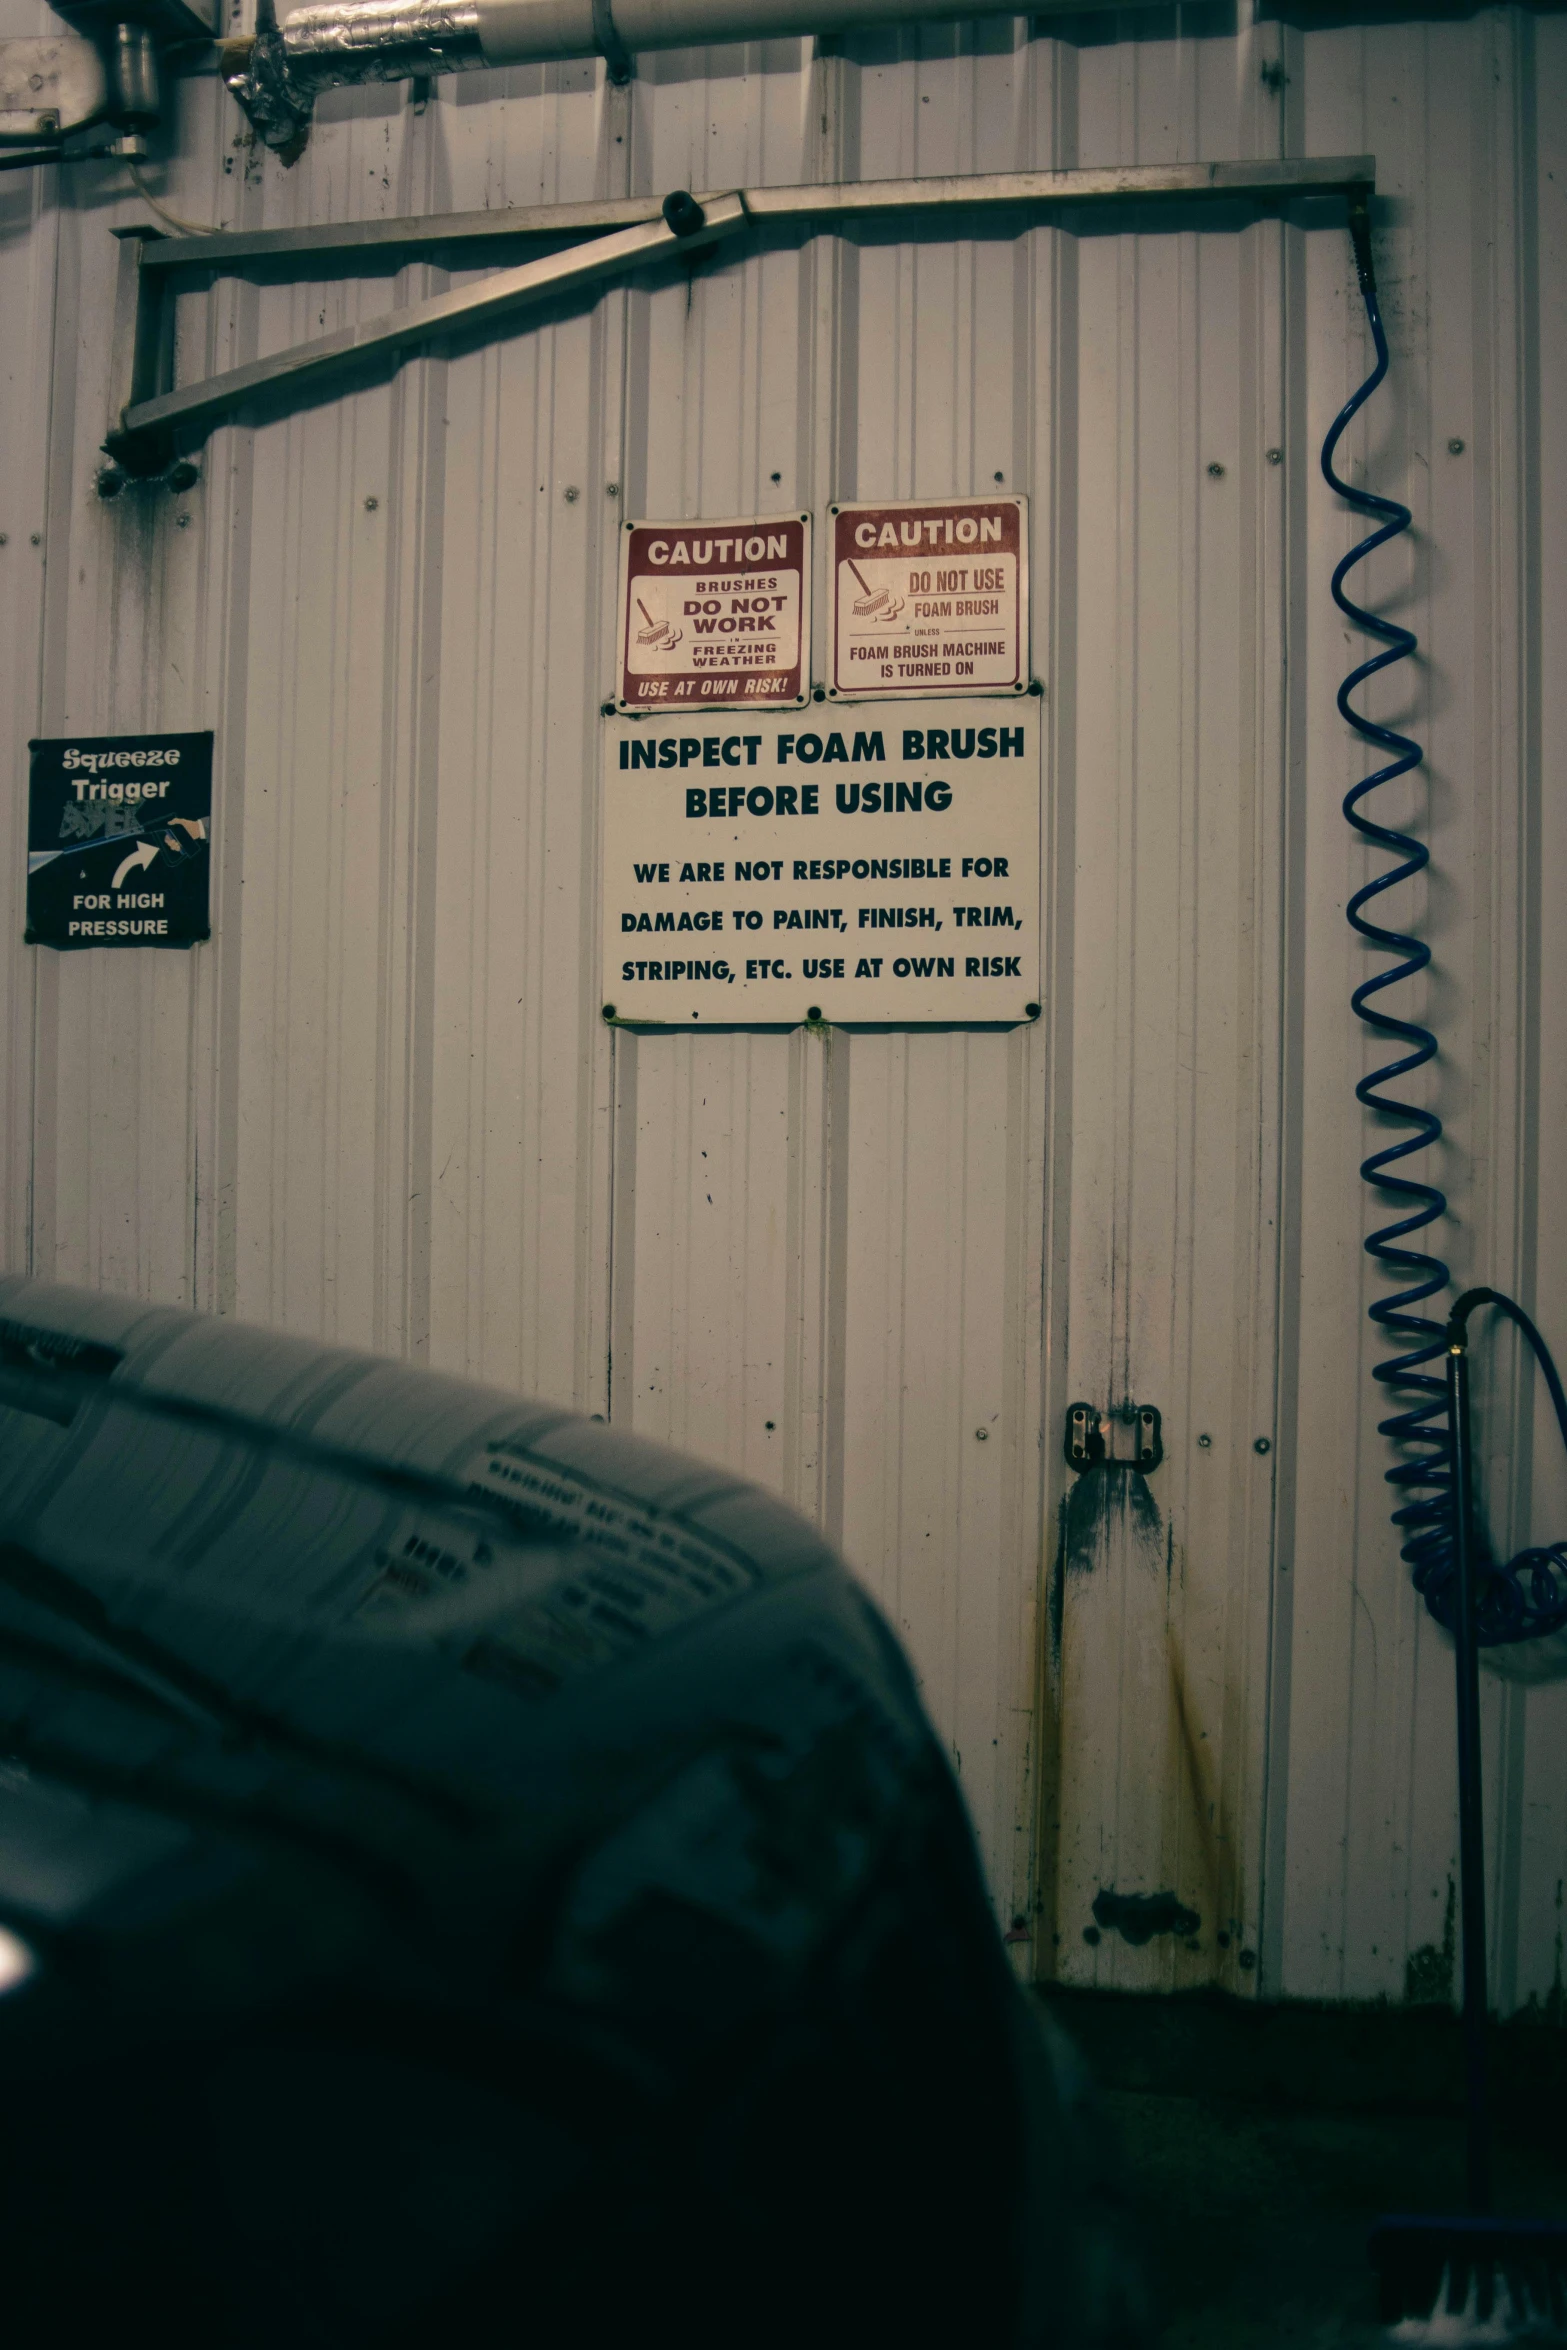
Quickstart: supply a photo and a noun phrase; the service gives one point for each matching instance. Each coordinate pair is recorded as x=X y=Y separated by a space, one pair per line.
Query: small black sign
x=119 y=840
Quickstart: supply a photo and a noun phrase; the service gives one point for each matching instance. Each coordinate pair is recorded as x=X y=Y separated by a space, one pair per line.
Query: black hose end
x=1360 y=238
x=683 y=215
x=1461 y=1309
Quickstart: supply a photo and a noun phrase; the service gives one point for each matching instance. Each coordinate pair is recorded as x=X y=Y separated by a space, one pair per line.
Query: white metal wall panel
x=1366 y=1775
x=383 y=1106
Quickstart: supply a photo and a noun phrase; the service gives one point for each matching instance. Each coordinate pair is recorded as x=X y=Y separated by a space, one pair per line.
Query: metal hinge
x=1126 y=1437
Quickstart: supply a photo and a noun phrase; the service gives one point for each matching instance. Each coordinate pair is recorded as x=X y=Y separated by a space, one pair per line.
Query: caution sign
x=119 y=840
x=715 y=612
x=761 y=869
x=930 y=598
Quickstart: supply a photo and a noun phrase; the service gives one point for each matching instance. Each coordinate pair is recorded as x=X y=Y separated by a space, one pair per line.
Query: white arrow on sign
x=143 y=854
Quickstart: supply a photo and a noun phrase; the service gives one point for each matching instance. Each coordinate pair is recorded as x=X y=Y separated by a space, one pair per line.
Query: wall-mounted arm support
x=153 y=429
x=156 y=420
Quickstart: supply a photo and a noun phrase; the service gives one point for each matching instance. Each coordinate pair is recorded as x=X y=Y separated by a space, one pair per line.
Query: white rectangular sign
x=929 y=598
x=773 y=866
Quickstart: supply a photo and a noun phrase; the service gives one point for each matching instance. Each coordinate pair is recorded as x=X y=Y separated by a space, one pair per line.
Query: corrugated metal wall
x=382 y=1106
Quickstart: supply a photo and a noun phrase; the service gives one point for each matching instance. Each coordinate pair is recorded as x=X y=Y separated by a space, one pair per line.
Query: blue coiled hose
x=1527 y=1597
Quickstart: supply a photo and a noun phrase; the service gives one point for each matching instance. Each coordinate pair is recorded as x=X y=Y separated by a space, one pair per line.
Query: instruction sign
x=930 y=598
x=757 y=868
x=715 y=612
x=119 y=840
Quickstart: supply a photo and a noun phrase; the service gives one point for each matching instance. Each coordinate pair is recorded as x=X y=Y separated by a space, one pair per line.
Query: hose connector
x=1360 y=238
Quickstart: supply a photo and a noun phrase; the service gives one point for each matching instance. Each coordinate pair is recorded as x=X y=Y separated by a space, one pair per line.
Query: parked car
x=473 y=1876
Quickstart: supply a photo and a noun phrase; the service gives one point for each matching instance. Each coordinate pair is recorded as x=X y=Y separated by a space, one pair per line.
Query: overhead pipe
x=278 y=75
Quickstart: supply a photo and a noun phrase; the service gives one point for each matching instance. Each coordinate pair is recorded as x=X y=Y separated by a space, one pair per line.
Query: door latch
x=1126 y=1437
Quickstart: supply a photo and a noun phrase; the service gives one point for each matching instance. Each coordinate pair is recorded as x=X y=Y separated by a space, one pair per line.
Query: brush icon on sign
x=661 y=633
x=875 y=603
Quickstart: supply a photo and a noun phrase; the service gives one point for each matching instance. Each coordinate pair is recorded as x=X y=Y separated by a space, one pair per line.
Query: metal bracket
x=156 y=420
x=156 y=425
x=1129 y=1436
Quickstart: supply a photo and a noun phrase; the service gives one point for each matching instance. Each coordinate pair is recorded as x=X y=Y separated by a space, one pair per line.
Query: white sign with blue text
x=850 y=865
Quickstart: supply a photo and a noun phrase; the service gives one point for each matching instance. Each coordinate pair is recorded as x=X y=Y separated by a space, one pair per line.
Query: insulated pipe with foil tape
x=277 y=76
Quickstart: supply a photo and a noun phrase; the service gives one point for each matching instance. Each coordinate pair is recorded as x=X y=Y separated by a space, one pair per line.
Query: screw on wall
x=612 y=489
x=572 y=494
x=1275 y=456
x=371 y=505
x=1216 y=470
x=1205 y=1443
x=1263 y=1444
x=1273 y=76
x=1455 y=447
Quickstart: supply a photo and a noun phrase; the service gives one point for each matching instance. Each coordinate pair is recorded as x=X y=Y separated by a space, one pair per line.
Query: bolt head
x=110 y=482
x=371 y=505
x=1263 y=1444
x=983 y=1435
x=1216 y=470
x=1455 y=447
x=612 y=489
x=1204 y=1443
x=1275 y=456
x=36 y=538
x=182 y=476
x=609 y=1011
x=1031 y=1011
x=572 y=494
